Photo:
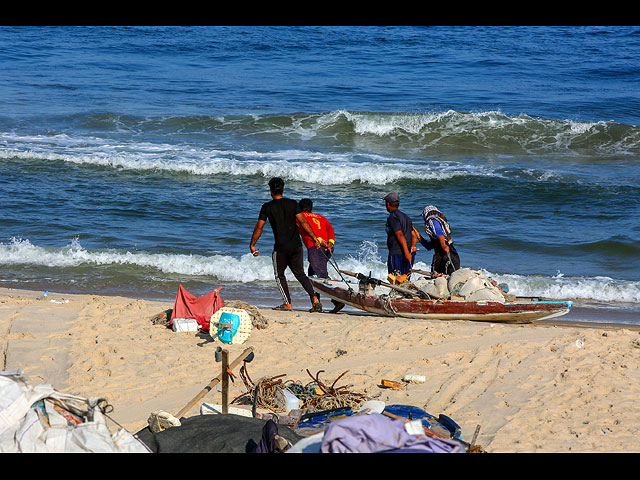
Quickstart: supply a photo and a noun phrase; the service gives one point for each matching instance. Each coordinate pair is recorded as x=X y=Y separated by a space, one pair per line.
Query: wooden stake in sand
x=243 y=357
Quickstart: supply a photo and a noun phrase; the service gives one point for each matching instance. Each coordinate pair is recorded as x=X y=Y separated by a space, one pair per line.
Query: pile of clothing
x=375 y=433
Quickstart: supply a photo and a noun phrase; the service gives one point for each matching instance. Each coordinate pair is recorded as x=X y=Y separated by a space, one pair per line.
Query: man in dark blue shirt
x=401 y=239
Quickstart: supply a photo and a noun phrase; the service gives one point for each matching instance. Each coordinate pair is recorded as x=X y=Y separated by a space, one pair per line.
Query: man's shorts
x=398 y=264
x=318 y=258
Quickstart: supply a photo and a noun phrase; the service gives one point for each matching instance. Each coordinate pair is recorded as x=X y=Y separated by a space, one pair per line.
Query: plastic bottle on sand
x=412 y=378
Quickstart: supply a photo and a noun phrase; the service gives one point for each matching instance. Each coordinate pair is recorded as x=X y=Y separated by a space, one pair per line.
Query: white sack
x=473 y=286
x=434 y=287
x=490 y=294
x=470 y=286
x=26 y=427
x=458 y=278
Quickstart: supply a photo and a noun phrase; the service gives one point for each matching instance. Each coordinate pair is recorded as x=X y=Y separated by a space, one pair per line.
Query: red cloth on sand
x=188 y=305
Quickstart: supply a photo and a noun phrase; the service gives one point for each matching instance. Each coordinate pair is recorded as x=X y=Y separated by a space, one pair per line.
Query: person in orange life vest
x=318 y=257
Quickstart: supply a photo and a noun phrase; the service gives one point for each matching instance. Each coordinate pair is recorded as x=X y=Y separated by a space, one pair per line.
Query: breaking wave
x=313 y=166
x=247 y=269
x=450 y=131
x=458 y=132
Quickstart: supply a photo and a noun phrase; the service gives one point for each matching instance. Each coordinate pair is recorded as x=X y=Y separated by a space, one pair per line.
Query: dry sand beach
x=531 y=388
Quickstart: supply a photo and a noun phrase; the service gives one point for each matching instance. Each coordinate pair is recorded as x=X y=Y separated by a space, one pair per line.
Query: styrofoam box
x=185 y=325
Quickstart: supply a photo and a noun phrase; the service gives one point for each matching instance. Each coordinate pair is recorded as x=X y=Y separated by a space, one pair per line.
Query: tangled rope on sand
x=314 y=396
x=257 y=319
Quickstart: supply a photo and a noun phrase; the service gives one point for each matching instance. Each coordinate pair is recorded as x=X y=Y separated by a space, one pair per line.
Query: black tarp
x=214 y=434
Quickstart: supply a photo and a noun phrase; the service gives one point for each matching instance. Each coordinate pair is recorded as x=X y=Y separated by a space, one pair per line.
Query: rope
x=386 y=304
x=257 y=319
x=314 y=396
x=266 y=393
x=449 y=262
x=340 y=400
x=334 y=264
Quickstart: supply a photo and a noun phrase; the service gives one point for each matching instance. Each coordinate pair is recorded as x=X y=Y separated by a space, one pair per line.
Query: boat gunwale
x=517 y=311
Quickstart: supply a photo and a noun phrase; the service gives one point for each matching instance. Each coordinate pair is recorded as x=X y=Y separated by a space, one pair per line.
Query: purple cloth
x=318 y=258
x=267 y=442
x=376 y=433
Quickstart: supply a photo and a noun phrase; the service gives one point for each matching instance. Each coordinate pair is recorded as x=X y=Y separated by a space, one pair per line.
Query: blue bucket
x=226 y=334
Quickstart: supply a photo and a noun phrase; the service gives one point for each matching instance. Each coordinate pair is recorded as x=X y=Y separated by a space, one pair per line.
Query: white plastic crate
x=185 y=325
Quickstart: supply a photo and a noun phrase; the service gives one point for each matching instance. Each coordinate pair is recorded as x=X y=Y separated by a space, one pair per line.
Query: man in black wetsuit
x=282 y=213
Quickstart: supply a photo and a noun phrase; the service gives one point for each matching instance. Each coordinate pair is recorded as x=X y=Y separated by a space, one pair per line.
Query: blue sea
x=136 y=159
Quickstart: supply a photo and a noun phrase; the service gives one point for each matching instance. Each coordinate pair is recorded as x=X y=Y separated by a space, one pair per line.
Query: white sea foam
x=483 y=130
x=604 y=289
x=247 y=269
x=425 y=128
x=294 y=165
x=386 y=124
x=224 y=268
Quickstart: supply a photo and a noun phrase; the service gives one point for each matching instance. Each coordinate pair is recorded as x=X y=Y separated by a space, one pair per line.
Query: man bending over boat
x=318 y=257
x=282 y=214
x=401 y=240
x=445 y=257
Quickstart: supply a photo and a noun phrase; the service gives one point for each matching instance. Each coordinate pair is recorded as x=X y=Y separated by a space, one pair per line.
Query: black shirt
x=398 y=221
x=281 y=214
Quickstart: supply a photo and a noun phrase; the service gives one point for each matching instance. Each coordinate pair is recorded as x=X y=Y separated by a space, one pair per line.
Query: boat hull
x=519 y=311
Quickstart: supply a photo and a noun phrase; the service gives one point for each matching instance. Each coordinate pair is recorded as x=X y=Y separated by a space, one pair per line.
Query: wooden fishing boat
x=520 y=310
